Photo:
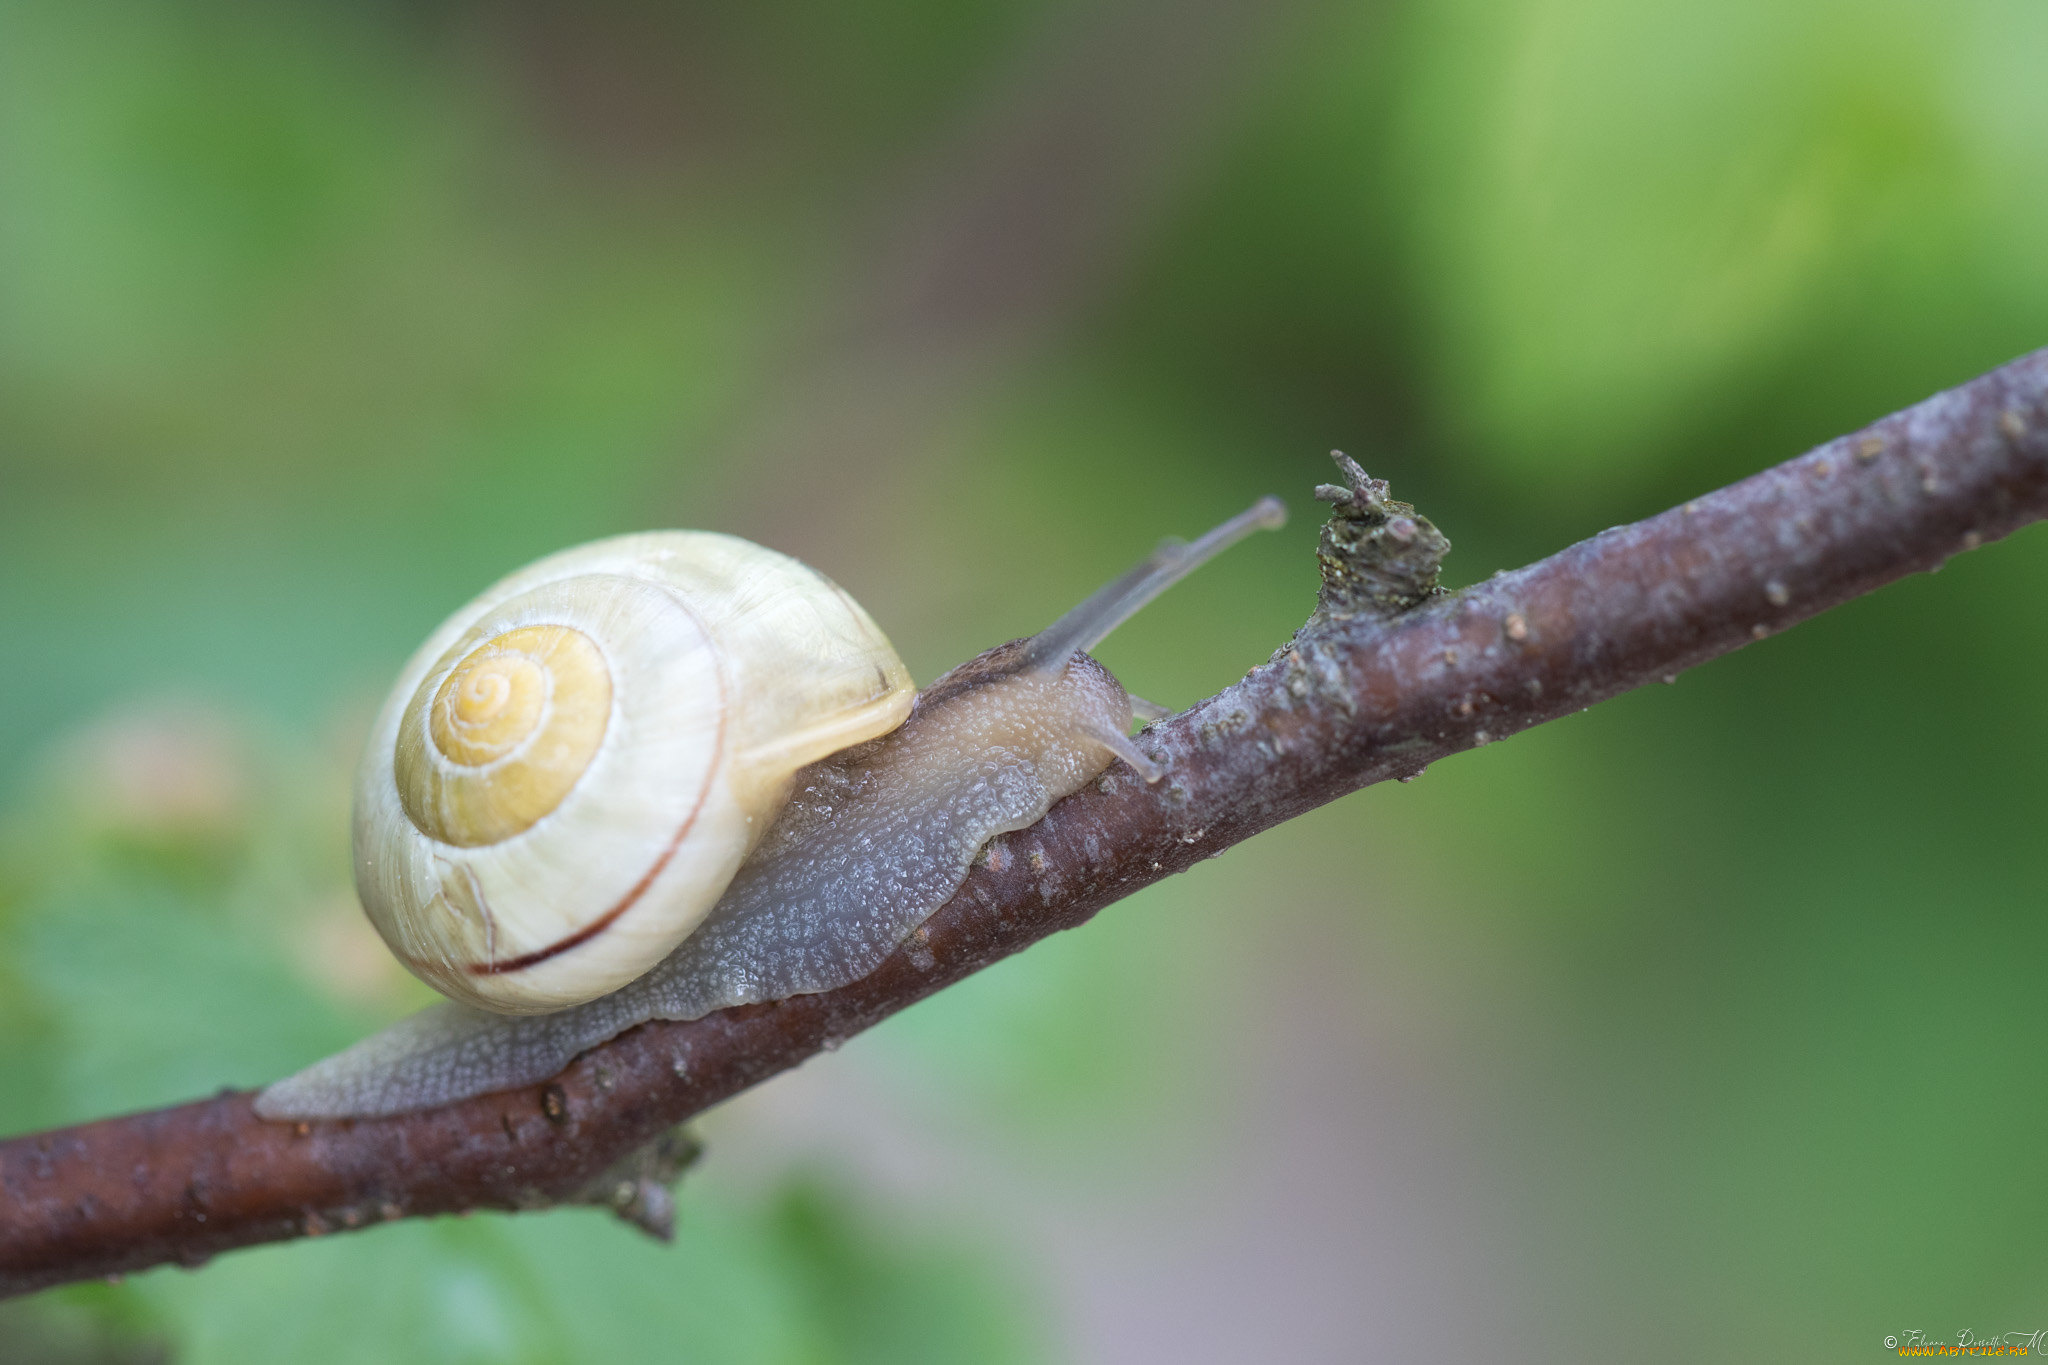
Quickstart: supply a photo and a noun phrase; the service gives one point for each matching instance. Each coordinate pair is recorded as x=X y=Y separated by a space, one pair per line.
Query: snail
x=666 y=773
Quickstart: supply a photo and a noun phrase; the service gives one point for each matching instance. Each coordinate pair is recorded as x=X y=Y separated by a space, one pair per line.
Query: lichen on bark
x=1379 y=556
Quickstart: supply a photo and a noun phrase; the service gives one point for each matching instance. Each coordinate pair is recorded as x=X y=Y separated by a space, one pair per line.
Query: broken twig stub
x=1379 y=556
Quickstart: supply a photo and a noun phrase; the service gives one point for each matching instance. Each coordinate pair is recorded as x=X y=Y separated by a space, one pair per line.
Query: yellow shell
x=573 y=766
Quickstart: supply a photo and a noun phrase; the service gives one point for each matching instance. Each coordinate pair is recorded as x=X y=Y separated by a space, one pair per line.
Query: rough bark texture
x=1348 y=702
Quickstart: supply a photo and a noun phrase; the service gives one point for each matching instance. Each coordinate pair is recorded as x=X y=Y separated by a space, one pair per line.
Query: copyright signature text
x=1968 y=1343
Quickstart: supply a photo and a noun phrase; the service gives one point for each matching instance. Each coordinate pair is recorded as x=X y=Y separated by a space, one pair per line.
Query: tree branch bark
x=1347 y=703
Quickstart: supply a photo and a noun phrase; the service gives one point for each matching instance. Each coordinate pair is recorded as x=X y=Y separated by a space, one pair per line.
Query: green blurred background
x=1702 y=1027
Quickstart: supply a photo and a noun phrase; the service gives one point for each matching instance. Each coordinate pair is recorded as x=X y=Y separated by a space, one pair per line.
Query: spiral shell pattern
x=509 y=731
x=572 y=768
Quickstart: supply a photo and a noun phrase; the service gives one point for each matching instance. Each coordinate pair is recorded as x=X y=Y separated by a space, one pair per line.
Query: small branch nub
x=640 y=1186
x=1379 y=556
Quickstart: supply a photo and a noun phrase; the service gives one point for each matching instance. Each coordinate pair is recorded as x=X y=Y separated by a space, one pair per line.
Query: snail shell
x=571 y=769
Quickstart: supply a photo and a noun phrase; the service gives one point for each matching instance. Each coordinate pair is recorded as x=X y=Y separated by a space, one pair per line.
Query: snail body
x=860 y=844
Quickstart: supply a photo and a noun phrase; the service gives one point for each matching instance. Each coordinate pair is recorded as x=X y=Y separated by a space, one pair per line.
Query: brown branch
x=1351 y=701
